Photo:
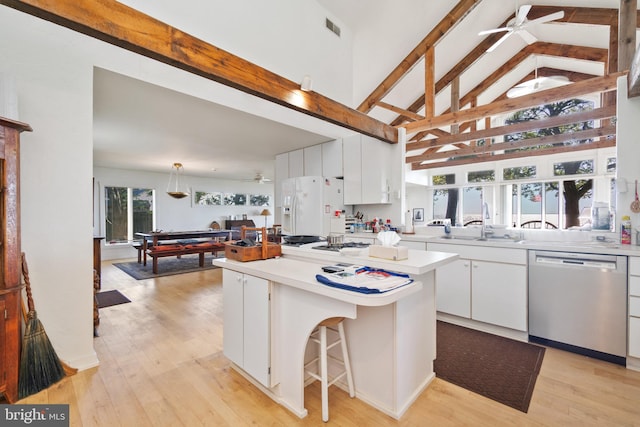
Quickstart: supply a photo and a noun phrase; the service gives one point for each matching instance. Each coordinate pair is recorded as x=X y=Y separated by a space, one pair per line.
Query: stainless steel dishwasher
x=578 y=302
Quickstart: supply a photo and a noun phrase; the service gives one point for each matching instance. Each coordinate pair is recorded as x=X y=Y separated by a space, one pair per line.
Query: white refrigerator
x=309 y=205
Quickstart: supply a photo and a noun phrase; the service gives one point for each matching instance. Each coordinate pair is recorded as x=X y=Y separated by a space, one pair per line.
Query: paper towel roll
x=408 y=222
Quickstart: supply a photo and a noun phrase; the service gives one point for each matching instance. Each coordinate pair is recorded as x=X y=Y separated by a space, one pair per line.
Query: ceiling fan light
x=536 y=85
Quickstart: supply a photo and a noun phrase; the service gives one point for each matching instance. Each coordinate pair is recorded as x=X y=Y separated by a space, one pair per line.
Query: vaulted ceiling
x=449 y=92
x=448 y=106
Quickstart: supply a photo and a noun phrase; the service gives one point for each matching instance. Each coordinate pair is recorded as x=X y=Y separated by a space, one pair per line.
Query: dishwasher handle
x=587 y=263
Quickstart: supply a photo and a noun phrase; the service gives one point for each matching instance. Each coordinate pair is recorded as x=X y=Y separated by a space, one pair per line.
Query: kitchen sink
x=482 y=239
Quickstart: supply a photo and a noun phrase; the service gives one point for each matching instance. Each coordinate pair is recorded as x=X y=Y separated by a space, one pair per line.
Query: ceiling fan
x=259 y=178
x=537 y=84
x=519 y=24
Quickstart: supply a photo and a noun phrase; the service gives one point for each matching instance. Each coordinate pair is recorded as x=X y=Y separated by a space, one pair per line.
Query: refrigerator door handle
x=294 y=214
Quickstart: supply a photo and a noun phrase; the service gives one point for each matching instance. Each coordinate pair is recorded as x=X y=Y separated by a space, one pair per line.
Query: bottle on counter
x=625 y=230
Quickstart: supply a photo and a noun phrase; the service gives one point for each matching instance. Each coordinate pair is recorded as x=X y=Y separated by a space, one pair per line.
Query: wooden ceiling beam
x=518 y=154
x=450 y=20
x=531 y=125
x=626 y=33
x=467 y=150
x=409 y=115
x=539 y=48
x=634 y=76
x=120 y=25
x=596 y=84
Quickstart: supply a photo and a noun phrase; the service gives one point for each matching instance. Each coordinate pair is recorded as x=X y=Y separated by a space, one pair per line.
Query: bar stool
x=319 y=365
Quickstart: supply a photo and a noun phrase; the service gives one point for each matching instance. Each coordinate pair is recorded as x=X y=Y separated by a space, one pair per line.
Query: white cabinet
x=352 y=171
x=332 y=159
x=247 y=323
x=313 y=160
x=486 y=284
x=634 y=307
x=296 y=163
x=368 y=170
x=453 y=288
x=499 y=294
x=281 y=173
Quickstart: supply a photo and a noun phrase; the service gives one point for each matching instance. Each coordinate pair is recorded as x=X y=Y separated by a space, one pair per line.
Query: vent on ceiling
x=333 y=27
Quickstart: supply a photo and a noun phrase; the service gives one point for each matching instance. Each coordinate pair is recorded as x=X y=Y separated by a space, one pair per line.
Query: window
x=481 y=176
x=128 y=211
x=519 y=172
x=472 y=205
x=444 y=179
x=580 y=167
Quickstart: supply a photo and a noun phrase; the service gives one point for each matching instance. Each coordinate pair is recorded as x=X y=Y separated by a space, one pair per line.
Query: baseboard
x=484 y=327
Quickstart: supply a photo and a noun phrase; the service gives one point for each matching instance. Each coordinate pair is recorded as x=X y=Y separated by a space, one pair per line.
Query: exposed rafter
x=532 y=125
x=512 y=145
x=594 y=85
x=490 y=157
x=444 y=26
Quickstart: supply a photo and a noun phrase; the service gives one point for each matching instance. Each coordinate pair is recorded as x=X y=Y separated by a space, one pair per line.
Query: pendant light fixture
x=175 y=189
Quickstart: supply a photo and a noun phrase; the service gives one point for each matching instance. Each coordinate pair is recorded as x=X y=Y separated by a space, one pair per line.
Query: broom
x=40 y=366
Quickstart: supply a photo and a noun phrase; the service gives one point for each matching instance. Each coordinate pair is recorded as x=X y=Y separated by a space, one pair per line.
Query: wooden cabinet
x=247 y=323
x=10 y=260
x=486 y=284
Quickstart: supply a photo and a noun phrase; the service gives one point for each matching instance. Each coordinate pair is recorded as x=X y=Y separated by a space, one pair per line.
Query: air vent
x=333 y=27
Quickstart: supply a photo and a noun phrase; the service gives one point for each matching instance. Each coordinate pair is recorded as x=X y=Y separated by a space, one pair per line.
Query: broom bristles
x=39 y=363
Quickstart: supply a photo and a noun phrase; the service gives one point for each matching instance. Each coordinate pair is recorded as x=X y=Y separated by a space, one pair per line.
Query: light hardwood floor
x=161 y=364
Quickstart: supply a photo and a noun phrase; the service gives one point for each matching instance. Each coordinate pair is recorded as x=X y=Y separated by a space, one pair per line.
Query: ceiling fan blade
x=495 y=30
x=499 y=42
x=521 y=17
x=527 y=36
x=547 y=18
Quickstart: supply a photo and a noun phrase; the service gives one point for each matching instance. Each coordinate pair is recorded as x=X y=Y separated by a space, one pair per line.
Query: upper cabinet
x=296 y=163
x=332 y=158
x=368 y=171
x=313 y=160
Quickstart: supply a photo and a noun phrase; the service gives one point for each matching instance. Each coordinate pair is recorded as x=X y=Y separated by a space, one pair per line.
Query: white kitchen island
x=272 y=306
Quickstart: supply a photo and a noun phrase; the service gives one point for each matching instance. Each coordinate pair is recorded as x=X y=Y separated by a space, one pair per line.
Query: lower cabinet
x=247 y=323
x=453 y=288
x=634 y=307
x=499 y=294
x=488 y=291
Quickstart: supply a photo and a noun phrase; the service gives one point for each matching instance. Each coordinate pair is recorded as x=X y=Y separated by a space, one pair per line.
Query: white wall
x=52 y=68
x=288 y=37
x=172 y=214
x=628 y=155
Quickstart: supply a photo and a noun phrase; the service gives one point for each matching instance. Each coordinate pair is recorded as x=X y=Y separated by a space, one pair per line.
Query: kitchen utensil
x=635 y=205
x=301 y=239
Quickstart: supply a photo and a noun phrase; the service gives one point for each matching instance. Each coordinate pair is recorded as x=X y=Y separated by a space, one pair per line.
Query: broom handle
x=25 y=273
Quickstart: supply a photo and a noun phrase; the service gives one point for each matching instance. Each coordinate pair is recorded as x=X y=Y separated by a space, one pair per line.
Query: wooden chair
x=536 y=224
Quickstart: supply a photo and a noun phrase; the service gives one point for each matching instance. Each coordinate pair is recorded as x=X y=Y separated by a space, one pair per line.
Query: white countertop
x=302 y=275
x=298 y=268
x=419 y=262
x=585 y=246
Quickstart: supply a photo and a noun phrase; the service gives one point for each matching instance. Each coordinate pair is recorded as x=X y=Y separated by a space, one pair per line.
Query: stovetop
x=336 y=248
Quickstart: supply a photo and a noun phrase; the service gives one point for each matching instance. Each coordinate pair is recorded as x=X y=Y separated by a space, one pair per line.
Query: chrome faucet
x=486 y=231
